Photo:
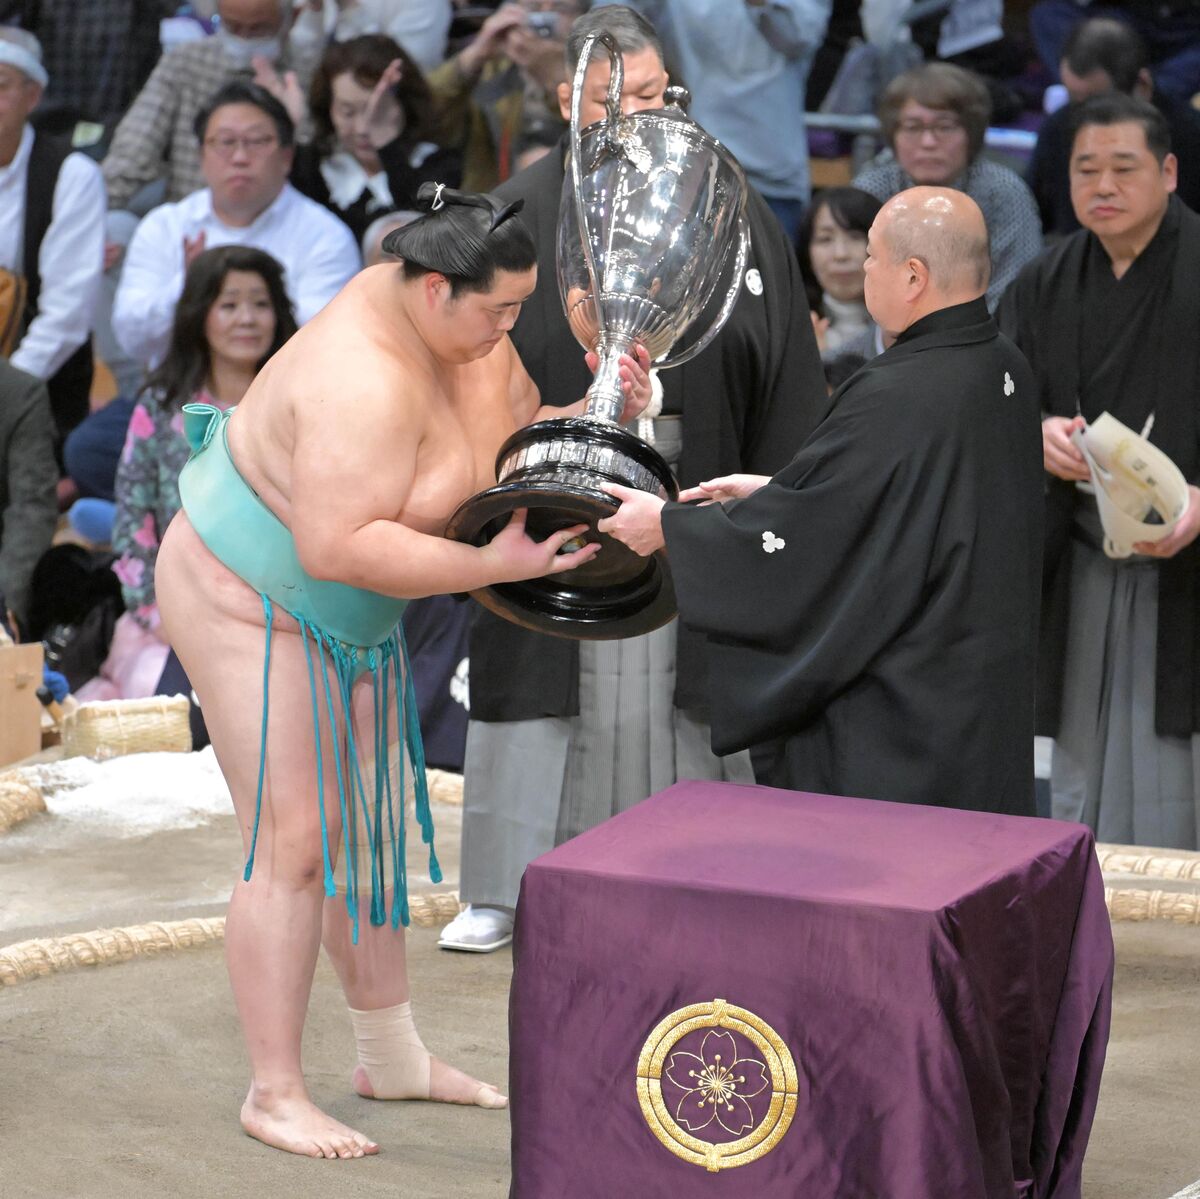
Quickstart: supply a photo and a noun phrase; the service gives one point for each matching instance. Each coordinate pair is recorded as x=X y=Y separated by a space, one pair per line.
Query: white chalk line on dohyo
x=39 y=958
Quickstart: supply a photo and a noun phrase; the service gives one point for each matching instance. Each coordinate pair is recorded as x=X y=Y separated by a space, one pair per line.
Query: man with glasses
x=159 y=123
x=246 y=153
x=934 y=119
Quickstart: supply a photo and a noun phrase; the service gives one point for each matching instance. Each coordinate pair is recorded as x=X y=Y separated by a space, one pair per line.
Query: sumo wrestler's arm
x=354 y=465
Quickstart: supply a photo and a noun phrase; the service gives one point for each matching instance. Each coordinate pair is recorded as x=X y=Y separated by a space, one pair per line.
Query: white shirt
x=318 y=254
x=71 y=260
x=968 y=24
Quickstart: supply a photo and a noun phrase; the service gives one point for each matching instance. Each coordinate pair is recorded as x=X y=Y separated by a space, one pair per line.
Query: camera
x=544 y=24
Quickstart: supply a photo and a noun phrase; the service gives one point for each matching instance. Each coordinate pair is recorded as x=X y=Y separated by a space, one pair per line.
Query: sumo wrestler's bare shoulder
x=349 y=363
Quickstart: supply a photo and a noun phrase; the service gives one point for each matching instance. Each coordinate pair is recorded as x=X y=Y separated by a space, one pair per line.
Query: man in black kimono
x=563 y=736
x=1110 y=322
x=874 y=605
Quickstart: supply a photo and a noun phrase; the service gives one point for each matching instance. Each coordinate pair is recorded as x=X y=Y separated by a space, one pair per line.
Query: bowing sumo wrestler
x=311 y=513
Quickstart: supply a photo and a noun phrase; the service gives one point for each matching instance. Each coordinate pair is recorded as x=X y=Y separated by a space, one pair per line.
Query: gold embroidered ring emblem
x=711 y=1086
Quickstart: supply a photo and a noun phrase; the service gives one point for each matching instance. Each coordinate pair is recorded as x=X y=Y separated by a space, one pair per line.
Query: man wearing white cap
x=1109 y=319
x=51 y=236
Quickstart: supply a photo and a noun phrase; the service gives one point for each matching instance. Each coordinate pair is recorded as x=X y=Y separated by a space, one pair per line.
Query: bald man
x=872 y=609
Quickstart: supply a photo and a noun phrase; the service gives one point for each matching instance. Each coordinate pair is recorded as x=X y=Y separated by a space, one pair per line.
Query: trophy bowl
x=653 y=210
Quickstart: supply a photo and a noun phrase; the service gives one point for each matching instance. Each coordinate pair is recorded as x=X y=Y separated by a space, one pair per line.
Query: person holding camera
x=498 y=96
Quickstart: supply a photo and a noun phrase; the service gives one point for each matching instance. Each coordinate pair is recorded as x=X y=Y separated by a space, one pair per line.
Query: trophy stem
x=606 y=396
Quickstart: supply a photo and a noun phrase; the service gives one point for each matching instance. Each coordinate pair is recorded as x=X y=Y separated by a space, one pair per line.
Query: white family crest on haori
x=460 y=685
x=754 y=283
x=771 y=543
x=1009 y=385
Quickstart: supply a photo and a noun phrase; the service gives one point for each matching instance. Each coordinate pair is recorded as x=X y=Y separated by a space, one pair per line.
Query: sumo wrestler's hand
x=727 y=487
x=637 y=523
x=516 y=556
x=635 y=381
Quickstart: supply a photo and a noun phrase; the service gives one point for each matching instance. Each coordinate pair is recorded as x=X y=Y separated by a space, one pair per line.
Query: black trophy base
x=555 y=470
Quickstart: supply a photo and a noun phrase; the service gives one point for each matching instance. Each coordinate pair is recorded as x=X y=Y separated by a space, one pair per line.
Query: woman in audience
x=934 y=119
x=234 y=314
x=372 y=115
x=833 y=248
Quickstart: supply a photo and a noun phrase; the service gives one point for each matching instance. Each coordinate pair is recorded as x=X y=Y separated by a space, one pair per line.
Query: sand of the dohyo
x=124 y=1081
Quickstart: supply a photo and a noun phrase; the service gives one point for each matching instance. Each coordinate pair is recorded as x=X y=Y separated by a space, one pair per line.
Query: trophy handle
x=735 y=286
x=605 y=397
x=616 y=81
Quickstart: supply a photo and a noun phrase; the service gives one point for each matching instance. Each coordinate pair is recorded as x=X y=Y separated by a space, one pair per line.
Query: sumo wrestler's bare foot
x=295 y=1124
x=446 y=1085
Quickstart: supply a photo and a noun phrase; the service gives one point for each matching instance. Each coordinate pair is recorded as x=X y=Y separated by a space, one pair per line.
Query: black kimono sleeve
x=801 y=585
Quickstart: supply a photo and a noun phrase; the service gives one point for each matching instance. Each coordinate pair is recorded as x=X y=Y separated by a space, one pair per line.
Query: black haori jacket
x=1043 y=312
x=748 y=401
x=874 y=607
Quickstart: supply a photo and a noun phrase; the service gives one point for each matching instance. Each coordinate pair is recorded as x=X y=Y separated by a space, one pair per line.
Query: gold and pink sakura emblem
x=717 y=1085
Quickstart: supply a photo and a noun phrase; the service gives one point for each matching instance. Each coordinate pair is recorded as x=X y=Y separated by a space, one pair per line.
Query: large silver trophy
x=652 y=210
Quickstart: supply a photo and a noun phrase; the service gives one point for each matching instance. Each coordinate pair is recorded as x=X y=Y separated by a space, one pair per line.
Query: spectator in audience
x=420 y=26
x=234 y=313
x=934 y=119
x=28 y=508
x=98 y=56
x=159 y=125
x=51 y=237
x=500 y=94
x=833 y=248
x=246 y=136
x=746 y=63
x=1105 y=55
x=1170 y=28
x=373 y=116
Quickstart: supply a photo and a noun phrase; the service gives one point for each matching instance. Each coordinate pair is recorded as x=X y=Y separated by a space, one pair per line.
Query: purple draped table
x=739 y=991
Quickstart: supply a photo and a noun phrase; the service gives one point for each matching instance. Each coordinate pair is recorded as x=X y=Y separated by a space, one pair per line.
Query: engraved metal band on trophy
x=588 y=458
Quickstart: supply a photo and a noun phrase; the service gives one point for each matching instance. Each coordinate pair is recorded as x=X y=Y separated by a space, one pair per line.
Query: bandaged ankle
x=391 y=1052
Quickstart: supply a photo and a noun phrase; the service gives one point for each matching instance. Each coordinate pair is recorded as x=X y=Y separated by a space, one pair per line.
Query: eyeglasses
x=225 y=146
x=940 y=129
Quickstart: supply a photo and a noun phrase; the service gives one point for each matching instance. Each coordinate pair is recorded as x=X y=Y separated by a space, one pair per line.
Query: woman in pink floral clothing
x=234 y=314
